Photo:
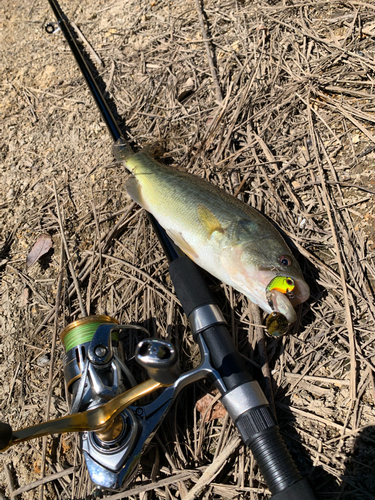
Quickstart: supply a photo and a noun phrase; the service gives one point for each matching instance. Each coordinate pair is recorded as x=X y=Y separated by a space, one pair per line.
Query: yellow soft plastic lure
x=282 y=284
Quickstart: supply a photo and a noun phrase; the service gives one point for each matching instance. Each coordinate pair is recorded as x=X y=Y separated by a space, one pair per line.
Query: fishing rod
x=114 y=431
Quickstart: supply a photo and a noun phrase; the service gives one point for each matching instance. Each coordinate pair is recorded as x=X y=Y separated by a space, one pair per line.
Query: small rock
x=44 y=360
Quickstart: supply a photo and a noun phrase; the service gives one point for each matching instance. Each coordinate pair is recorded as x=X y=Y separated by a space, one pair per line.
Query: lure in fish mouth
x=220 y=233
x=284 y=300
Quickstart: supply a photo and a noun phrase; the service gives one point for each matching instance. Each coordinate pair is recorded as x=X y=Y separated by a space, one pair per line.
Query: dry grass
x=273 y=102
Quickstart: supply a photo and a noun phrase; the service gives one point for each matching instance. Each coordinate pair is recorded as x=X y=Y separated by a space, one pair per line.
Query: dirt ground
x=281 y=115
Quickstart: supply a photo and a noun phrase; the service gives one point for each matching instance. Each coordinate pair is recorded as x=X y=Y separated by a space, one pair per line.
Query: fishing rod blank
x=106 y=113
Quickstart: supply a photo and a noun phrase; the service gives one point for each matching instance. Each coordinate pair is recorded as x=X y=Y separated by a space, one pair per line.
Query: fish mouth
x=279 y=302
x=300 y=293
x=285 y=303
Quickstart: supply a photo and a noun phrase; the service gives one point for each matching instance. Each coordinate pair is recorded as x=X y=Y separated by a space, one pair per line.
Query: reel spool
x=76 y=338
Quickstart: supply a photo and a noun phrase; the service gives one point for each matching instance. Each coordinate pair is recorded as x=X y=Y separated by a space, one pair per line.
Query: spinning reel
x=95 y=372
x=102 y=390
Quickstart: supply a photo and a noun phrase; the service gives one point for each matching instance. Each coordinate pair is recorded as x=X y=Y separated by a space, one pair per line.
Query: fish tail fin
x=122 y=150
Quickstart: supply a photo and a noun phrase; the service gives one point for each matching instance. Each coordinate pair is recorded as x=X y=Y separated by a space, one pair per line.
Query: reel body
x=95 y=372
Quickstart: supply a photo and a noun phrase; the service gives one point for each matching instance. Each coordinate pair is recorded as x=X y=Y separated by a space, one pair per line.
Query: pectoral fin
x=208 y=220
x=180 y=241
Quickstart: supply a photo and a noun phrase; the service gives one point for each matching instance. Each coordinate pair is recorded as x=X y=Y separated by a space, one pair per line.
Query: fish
x=223 y=235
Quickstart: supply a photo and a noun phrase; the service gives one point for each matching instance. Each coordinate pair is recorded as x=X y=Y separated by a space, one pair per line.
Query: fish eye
x=285 y=260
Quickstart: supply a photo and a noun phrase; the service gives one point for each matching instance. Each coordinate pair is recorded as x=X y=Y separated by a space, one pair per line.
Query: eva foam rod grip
x=5 y=435
x=298 y=491
x=189 y=284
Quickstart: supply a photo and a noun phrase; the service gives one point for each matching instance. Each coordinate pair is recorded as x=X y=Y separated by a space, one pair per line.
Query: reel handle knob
x=160 y=359
x=6 y=434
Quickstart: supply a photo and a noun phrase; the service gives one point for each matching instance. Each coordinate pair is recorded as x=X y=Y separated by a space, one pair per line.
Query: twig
x=9 y=478
x=35 y=119
x=311 y=416
x=223 y=429
x=219 y=95
x=110 y=78
x=321 y=380
x=28 y=281
x=353 y=361
x=349 y=116
x=99 y=257
x=143 y=273
x=70 y=263
x=44 y=480
x=345 y=184
x=13 y=382
x=88 y=47
x=51 y=367
x=89 y=266
x=174 y=478
x=213 y=470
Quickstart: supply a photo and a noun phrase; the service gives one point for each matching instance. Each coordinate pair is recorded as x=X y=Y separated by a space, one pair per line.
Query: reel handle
x=98 y=419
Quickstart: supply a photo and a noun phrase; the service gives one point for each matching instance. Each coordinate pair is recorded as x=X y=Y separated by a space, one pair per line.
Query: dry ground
x=283 y=118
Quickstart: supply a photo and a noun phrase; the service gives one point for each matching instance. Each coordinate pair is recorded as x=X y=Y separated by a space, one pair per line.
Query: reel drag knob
x=159 y=358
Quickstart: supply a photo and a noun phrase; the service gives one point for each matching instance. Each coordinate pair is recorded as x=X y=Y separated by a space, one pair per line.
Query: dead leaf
x=42 y=245
x=37 y=468
x=209 y=409
x=186 y=90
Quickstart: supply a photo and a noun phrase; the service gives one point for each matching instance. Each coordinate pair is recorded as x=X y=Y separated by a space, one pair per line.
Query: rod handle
x=298 y=491
x=6 y=434
x=272 y=456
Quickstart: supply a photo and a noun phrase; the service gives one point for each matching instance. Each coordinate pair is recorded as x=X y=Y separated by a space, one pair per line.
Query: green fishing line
x=82 y=334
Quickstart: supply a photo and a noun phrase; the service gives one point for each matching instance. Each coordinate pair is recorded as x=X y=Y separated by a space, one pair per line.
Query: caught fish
x=220 y=233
